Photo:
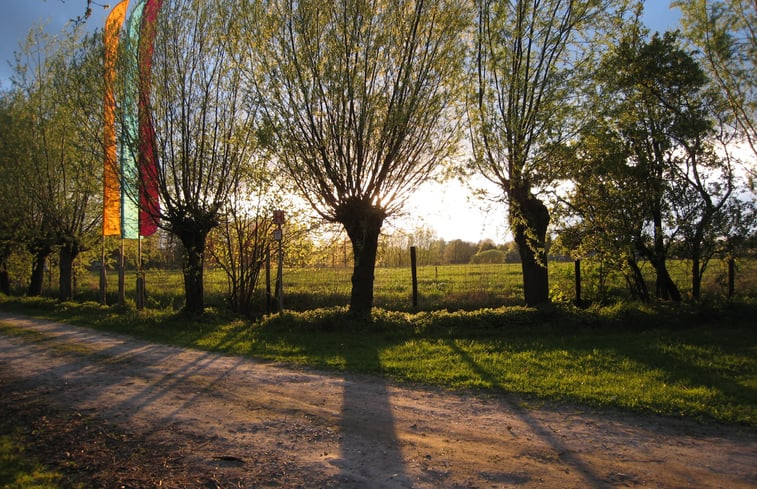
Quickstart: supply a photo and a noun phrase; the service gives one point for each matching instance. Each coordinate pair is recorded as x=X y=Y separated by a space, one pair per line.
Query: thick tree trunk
x=363 y=222
x=636 y=283
x=696 y=278
x=194 y=266
x=666 y=287
x=529 y=219
x=5 y=281
x=38 y=271
x=67 y=255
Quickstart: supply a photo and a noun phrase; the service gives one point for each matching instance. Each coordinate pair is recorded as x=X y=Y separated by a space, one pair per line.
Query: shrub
x=489 y=257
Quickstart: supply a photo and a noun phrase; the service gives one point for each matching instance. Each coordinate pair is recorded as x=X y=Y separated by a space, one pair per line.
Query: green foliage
x=723 y=33
x=489 y=256
x=647 y=175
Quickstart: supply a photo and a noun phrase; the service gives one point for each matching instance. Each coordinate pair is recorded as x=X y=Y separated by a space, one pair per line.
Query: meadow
x=448 y=287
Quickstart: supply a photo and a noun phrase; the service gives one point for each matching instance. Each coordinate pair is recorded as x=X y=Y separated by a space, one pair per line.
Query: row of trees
x=621 y=141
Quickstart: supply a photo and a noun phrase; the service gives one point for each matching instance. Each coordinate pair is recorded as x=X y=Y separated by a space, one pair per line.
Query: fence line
x=439 y=287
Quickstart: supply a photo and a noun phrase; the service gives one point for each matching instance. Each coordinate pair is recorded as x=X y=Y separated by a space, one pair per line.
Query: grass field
x=450 y=287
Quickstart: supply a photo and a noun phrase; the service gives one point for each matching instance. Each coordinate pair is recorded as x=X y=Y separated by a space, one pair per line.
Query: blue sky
x=20 y=15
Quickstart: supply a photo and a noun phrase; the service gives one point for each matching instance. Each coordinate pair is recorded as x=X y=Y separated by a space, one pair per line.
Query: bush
x=489 y=257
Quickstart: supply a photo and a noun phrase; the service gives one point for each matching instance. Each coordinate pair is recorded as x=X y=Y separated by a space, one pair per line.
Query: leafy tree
x=10 y=154
x=458 y=251
x=80 y=86
x=706 y=214
x=648 y=176
x=603 y=214
x=724 y=33
x=58 y=168
x=530 y=64
x=511 y=252
x=485 y=245
x=489 y=256
x=204 y=124
x=394 y=249
x=660 y=111
x=362 y=101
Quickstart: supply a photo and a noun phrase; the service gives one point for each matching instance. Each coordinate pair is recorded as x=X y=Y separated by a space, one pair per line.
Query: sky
x=447 y=208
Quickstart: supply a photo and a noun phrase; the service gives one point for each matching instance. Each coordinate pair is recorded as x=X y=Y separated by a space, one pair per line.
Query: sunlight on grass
x=16 y=472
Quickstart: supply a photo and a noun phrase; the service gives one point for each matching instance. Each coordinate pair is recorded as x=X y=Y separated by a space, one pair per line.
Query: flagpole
x=103 y=277
x=121 y=278
x=140 y=276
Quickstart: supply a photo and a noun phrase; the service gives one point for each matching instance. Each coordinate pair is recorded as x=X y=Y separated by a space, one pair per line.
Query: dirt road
x=236 y=422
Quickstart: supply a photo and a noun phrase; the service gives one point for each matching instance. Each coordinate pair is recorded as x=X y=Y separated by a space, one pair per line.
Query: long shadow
x=68 y=353
x=683 y=369
x=370 y=451
x=590 y=478
x=96 y=365
x=371 y=454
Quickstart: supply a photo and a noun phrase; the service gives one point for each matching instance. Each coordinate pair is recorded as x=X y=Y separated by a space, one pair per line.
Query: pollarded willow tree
x=530 y=66
x=203 y=122
x=362 y=99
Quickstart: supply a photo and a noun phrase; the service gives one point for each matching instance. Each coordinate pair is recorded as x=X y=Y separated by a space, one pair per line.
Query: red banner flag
x=149 y=208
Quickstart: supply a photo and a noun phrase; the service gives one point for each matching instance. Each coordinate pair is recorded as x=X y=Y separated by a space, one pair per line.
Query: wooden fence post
x=413 y=267
x=578 y=282
x=268 y=298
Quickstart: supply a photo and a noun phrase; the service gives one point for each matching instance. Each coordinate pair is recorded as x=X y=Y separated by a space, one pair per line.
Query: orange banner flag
x=111 y=172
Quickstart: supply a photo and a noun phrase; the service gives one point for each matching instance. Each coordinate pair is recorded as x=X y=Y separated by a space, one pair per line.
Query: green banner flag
x=130 y=128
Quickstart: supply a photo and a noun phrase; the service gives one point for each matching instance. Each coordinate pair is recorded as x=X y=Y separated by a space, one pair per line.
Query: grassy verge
x=689 y=361
x=18 y=471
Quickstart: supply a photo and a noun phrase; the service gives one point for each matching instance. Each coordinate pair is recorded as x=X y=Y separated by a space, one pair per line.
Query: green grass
x=695 y=361
x=450 y=287
x=17 y=471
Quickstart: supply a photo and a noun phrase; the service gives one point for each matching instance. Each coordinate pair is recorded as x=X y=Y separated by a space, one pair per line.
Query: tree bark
x=193 y=240
x=696 y=277
x=362 y=221
x=529 y=219
x=5 y=281
x=636 y=283
x=666 y=287
x=67 y=254
x=38 y=270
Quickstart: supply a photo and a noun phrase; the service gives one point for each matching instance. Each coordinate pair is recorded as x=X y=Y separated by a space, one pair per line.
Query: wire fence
x=449 y=287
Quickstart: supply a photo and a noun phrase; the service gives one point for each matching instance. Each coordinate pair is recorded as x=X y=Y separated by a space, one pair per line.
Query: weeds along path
x=244 y=423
